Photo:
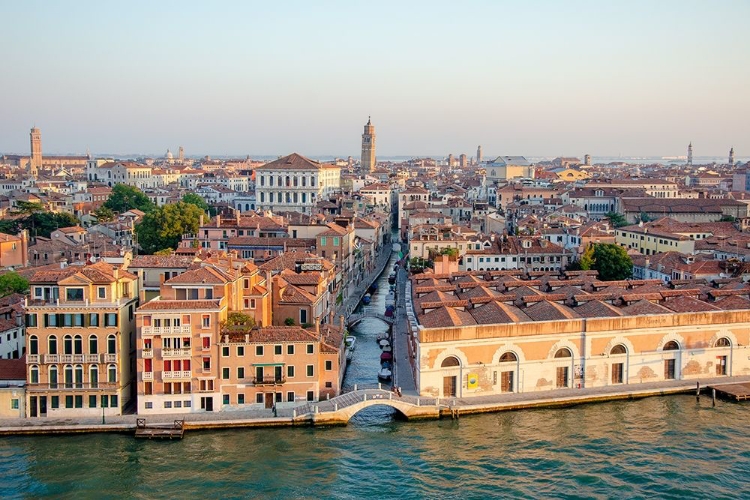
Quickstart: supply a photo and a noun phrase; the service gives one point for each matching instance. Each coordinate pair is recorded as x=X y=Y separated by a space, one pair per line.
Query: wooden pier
x=159 y=431
x=738 y=392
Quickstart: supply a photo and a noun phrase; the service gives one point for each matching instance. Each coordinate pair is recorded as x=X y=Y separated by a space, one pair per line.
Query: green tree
x=27 y=208
x=43 y=223
x=238 y=318
x=124 y=198
x=289 y=322
x=164 y=251
x=164 y=226
x=10 y=226
x=612 y=261
x=587 y=259
x=196 y=200
x=643 y=217
x=616 y=219
x=103 y=214
x=13 y=283
x=727 y=218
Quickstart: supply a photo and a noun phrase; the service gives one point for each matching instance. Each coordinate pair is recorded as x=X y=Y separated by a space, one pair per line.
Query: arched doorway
x=450 y=380
x=618 y=354
x=562 y=374
x=508 y=365
x=670 y=361
x=724 y=345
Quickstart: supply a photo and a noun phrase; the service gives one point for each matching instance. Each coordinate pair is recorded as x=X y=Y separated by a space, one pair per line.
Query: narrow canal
x=364 y=367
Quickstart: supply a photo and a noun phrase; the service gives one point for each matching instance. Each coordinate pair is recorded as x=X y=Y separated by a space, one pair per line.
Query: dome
x=168 y=155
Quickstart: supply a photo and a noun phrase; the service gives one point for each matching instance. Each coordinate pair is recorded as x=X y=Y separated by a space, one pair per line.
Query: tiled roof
x=161 y=261
x=13 y=369
x=446 y=316
x=182 y=305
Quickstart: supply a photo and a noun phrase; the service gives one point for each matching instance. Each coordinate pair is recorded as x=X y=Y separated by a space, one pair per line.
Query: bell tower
x=35 y=163
x=368 y=148
x=690 y=154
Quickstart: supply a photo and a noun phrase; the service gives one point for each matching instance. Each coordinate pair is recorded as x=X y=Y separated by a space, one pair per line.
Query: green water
x=668 y=447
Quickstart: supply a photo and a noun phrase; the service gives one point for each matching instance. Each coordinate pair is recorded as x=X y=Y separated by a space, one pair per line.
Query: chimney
x=218 y=220
x=116 y=273
x=63 y=263
x=341 y=322
x=19 y=319
x=298 y=267
x=200 y=224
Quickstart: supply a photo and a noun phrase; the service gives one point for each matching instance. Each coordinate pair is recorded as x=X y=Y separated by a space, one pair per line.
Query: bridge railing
x=362 y=393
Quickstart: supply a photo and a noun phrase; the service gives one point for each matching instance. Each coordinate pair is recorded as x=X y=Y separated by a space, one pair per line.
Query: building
x=14 y=250
x=504 y=168
x=35 y=162
x=368 y=148
x=479 y=155
x=493 y=333
x=80 y=342
x=12 y=388
x=295 y=183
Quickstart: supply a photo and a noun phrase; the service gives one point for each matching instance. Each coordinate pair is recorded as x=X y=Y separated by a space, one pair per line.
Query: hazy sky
x=534 y=78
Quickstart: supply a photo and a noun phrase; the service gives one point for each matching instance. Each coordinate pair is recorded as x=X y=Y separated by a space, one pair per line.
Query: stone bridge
x=356 y=318
x=338 y=410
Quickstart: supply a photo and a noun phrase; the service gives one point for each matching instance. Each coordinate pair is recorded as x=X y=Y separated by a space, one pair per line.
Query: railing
x=176 y=375
x=147 y=353
x=51 y=358
x=91 y=358
x=269 y=381
x=110 y=358
x=172 y=353
x=78 y=358
x=32 y=358
x=166 y=330
x=66 y=358
x=71 y=386
x=148 y=375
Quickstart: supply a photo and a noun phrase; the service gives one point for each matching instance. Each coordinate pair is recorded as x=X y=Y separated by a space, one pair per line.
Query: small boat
x=384 y=343
x=387 y=348
x=392 y=278
x=349 y=355
x=386 y=356
x=351 y=342
x=384 y=374
x=382 y=336
x=373 y=288
x=366 y=299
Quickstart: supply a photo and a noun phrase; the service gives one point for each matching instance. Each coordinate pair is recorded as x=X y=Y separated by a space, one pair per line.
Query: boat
x=392 y=278
x=373 y=288
x=384 y=374
x=366 y=299
x=384 y=343
x=349 y=355
x=351 y=342
x=382 y=336
x=387 y=348
x=386 y=356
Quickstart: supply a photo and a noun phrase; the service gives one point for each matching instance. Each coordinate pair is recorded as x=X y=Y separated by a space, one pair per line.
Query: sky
x=534 y=78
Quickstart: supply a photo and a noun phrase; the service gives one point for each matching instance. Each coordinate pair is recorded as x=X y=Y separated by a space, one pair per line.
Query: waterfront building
x=295 y=183
x=499 y=332
x=12 y=388
x=80 y=325
x=368 y=148
x=502 y=252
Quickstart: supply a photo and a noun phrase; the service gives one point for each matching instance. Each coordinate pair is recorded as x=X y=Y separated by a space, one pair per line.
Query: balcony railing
x=269 y=380
x=176 y=375
x=78 y=358
x=173 y=353
x=149 y=375
x=72 y=386
x=32 y=358
x=51 y=358
x=91 y=358
x=110 y=358
x=147 y=353
x=66 y=358
x=165 y=330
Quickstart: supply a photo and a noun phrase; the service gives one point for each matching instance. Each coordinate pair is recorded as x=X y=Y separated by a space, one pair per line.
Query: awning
x=269 y=364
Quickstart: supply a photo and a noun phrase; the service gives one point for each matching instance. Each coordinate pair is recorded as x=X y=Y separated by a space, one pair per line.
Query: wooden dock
x=160 y=431
x=738 y=392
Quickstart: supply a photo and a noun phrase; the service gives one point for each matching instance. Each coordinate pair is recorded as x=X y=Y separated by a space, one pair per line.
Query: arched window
x=94 y=376
x=93 y=345
x=450 y=361
x=723 y=342
x=112 y=374
x=34 y=374
x=563 y=353
x=68 y=376
x=619 y=349
x=508 y=357
x=79 y=376
x=68 y=344
x=288 y=181
x=53 y=377
x=53 y=344
x=111 y=345
x=78 y=345
x=33 y=345
x=671 y=346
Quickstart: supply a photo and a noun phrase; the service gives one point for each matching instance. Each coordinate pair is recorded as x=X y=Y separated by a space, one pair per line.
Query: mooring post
x=355 y=387
x=335 y=407
x=317 y=409
x=713 y=397
x=417 y=401
x=390 y=395
x=380 y=386
x=698 y=391
x=294 y=413
x=364 y=397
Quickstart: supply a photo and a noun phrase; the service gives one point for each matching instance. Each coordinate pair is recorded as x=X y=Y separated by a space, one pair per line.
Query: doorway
x=562 y=376
x=669 y=369
x=33 y=411
x=42 y=406
x=617 y=370
x=449 y=387
x=506 y=382
x=269 y=399
x=207 y=404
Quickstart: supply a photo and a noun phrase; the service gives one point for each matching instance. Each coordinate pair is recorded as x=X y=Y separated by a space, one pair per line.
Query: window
x=329 y=385
x=206 y=321
x=240 y=372
x=33 y=345
x=225 y=373
x=322 y=241
x=101 y=292
x=206 y=343
x=259 y=397
x=302 y=316
x=92 y=401
x=31 y=320
x=277 y=350
x=14 y=404
x=149 y=405
x=55 y=402
x=68 y=401
x=240 y=399
x=290 y=371
x=111 y=345
x=206 y=364
x=74 y=294
x=310 y=370
x=77 y=345
x=113 y=401
x=94 y=376
x=240 y=350
x=225 y=399
x=310 y=348
x=105 y=401
x=335 y=241
x=52 y=344
x=252 y=303
x=310 y=396
x=290 y=349
x=259 y=350
x=167 y=404
x=34 y=374
x=329 y=365
x=93 y=319
x=290 y=397
x=225 y=351
x=93 y=345
x=110 y=319
x=67 y=344
x=112 y=374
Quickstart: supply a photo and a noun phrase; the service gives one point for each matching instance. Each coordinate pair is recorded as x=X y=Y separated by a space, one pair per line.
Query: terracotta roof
x=293 y=161
x=204 y=275
x=161 y=261
x=13 y=369
x=597 y=309
x=549 y=311
x=157 y=305
x=497 y=312
x=446 y=317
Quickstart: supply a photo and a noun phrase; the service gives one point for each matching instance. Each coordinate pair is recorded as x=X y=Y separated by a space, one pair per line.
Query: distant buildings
x=505 y=168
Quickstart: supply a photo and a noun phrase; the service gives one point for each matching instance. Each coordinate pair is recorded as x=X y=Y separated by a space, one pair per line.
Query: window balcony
x=148 y=375
x=179 y=375
x=91 y=358
x=51 y=358
x=147 y=353
x=166 y=330
x=32 y=358
x=78 y=358
x=269 y=381
x=66 y=358
x=176 y=353
x=110 y=358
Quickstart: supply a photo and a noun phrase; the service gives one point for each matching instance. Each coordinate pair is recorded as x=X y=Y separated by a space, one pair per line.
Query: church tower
x=35 y=163
x=479 y=155
x=731 y=156
x=690 y=154
x=368 y=148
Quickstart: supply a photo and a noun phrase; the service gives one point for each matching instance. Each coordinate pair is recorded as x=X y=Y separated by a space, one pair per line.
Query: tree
x=616 y=219
x=27 y=207
x=164 y=226
x=103 y=214
x=164 y=251
x=238 y=318
x=587 y=259
x=124 y=198
x=196 y=200
x=43 y=223
x=11 y=283
x=643 y=217
x=612 y=261
x=289 y=322
x=727 y=218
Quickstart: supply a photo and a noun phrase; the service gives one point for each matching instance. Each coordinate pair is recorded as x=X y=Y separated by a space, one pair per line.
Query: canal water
x=668 y=447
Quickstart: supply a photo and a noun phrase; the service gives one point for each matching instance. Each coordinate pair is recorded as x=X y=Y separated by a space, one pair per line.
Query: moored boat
x=366 y=299
x=384 y=374
x=351 y=342
x=392 y=278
